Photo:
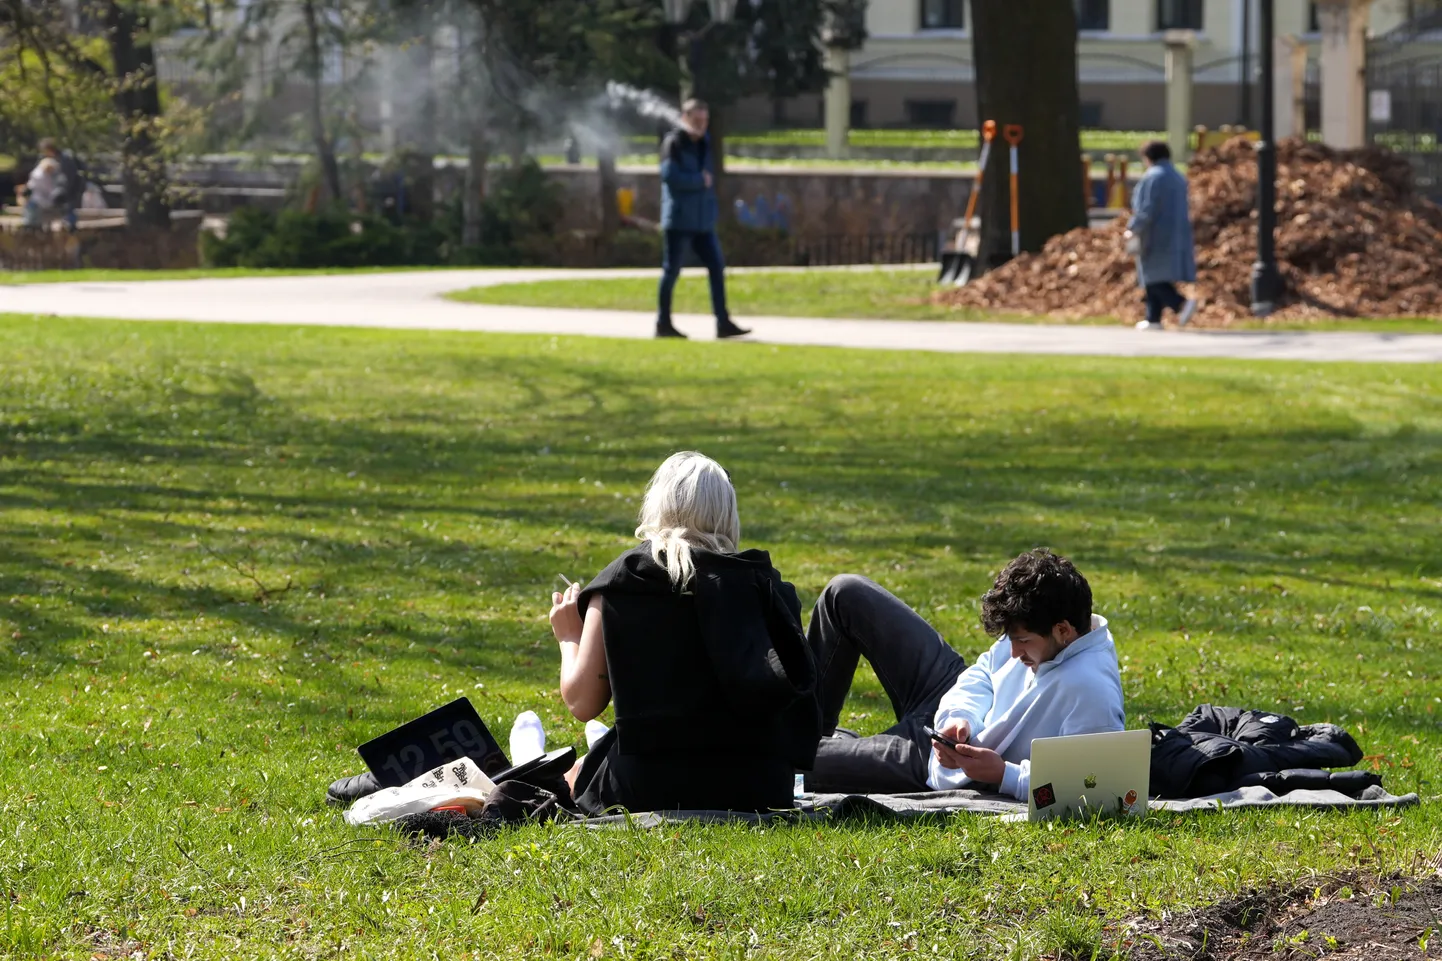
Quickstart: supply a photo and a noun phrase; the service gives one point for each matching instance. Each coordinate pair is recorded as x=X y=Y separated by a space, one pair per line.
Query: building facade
x=916 y=67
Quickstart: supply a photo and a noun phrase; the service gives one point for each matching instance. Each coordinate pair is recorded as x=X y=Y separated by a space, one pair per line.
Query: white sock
x=595 y=730
x=528 y=738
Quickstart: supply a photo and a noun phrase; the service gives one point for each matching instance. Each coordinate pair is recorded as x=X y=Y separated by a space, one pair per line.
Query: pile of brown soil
x=1353 y=240
x=1371 y=922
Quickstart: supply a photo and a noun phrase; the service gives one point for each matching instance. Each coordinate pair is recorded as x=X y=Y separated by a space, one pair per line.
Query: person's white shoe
x=528 y=738
x=1148 y=325
x=1184 y=316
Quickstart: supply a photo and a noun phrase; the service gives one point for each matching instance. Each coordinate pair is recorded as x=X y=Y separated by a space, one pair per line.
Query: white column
x=1289 y=87
x=386 y=100
x=838 y=101
x=1180 y=44
x=1344 y=71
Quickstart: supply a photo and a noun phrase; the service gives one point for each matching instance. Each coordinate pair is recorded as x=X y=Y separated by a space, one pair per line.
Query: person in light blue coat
x=1160 y=236
x=688 y=218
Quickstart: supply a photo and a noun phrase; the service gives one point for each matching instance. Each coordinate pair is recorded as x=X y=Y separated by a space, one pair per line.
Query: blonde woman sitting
x=700 y=646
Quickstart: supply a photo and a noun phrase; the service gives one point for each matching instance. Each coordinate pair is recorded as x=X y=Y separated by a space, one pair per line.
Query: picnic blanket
x=907 y=806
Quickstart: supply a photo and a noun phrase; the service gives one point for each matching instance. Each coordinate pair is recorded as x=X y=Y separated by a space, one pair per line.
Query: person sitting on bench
x=1052 y=673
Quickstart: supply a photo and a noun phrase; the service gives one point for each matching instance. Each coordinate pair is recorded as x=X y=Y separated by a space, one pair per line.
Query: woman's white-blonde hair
x=689 y=503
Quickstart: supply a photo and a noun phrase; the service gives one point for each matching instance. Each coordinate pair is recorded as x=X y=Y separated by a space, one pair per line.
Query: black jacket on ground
x=714 y=687
x=1218 y=749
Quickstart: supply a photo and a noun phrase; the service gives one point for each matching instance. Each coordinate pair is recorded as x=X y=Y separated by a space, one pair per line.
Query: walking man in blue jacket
x=1160 y=236
x=688 y=217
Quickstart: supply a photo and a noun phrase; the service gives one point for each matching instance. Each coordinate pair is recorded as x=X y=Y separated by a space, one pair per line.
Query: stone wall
x=116 y=248
x=823 y=201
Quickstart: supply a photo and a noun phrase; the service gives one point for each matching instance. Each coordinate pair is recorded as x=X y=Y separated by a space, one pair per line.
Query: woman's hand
x=566 y=615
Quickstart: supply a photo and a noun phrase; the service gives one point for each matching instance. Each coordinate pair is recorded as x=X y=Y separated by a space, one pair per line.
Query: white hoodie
x=44 y=181
x=1077 y=692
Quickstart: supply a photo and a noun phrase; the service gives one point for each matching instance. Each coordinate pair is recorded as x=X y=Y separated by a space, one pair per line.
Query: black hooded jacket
x=714 y=686
x=1217 y=749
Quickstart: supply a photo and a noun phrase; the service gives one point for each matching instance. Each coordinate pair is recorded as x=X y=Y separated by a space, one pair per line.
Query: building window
x=943 y=14
x=1179 y=14
x=858 y=115
x=1314 y=22
x=1091 y=114
x=1093 y=14
x=931 y=114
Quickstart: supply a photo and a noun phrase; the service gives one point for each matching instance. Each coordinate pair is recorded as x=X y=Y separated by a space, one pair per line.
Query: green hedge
x=334 y=238
x=518 y=221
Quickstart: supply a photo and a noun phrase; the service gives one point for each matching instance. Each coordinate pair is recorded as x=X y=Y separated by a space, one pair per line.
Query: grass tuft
x=880 y=294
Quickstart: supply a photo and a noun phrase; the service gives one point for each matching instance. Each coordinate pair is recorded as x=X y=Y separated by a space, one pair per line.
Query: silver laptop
x=1088 y=773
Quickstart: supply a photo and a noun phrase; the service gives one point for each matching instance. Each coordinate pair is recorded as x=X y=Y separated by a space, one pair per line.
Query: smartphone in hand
x=940 y=738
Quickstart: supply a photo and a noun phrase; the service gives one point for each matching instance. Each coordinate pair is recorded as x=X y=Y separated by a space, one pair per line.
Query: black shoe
x=666 y=330
x=725 y=329
x=349 y=789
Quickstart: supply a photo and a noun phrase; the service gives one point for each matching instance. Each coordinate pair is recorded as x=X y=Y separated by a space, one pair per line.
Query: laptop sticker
x=1044 y=796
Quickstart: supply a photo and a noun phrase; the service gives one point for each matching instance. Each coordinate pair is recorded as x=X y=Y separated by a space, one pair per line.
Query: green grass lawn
x=878 y=294
x=230 y=554
x=872 y=294
x=1091 y=140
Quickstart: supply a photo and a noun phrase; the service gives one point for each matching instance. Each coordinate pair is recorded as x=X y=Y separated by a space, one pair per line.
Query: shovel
x=957 y=263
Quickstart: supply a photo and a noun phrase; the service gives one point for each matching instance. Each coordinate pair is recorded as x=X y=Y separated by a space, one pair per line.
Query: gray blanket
x=906 y=806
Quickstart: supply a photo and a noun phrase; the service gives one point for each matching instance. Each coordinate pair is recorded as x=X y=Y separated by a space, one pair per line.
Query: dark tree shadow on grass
x=503 y=440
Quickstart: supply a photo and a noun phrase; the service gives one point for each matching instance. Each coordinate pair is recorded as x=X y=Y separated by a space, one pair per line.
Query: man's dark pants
x=708 y=250
x=856 y=618
x=1163 y=297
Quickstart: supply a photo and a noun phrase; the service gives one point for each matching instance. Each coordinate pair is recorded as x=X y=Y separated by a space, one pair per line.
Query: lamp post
x=1266 y=279
x=677 y=11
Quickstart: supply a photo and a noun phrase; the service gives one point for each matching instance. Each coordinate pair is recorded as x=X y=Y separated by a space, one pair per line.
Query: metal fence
x=1404 y=99
x=826 y=250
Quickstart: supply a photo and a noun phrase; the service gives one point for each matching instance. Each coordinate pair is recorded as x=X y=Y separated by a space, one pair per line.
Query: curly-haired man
x=1052 y=673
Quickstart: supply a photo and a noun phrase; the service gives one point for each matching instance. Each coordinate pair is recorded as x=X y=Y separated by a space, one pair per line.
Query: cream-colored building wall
x=886 y=18
x=1120 y=69
x=1134 y=21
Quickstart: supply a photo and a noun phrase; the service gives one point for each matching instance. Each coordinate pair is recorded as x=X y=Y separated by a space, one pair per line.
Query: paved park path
x=411 y=300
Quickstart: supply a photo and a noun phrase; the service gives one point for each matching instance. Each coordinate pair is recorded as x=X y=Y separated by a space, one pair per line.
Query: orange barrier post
x=1013 y=134
x=1116 y=181
x=1126 y=189
x=1086 y=161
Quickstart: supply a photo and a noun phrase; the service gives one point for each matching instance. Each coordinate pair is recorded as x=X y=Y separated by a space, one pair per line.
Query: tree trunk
x=1026 y=74
x=324 y=149
x=418 y=124
x=478 y=155
x=606 y=170
x=137 y=102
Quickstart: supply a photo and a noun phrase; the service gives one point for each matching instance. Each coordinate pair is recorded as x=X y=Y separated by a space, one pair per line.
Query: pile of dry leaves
x=1353 y=240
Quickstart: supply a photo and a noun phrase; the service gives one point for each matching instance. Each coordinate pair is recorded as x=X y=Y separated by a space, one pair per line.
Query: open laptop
x=449 y=733
x=1087 y=773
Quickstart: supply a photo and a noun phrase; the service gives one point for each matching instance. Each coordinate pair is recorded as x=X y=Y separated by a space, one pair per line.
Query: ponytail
x=689 y=503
